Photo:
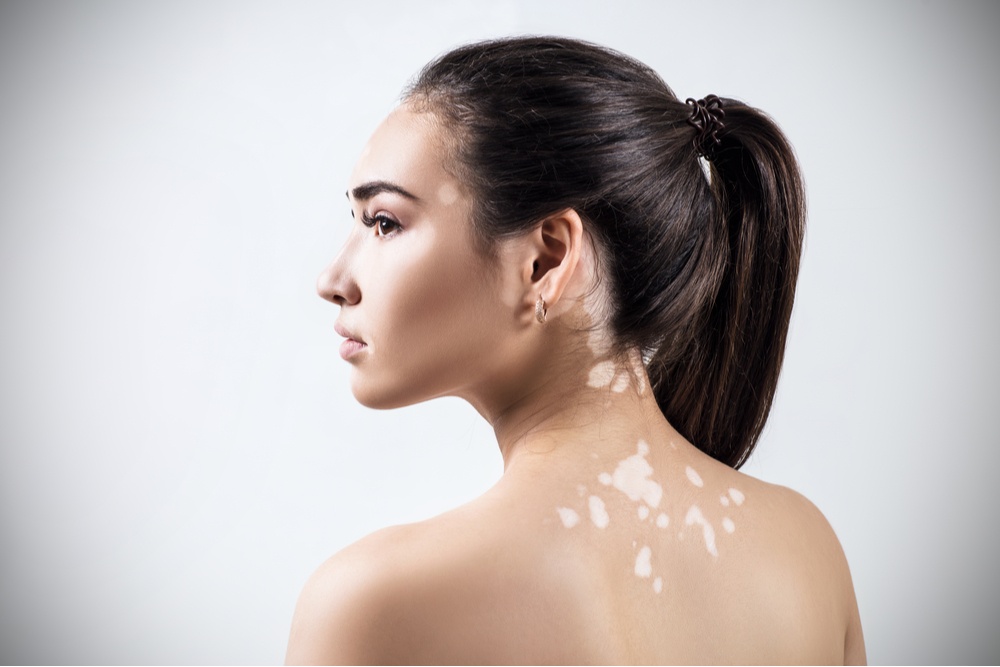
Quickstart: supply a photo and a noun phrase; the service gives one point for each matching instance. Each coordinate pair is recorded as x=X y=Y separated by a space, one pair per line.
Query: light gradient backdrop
x=178 y=445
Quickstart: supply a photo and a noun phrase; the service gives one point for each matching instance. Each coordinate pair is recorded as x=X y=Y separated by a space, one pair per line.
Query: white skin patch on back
x=598 y=513
x=643 y=567
x=658 y=584
x=694 y=516
x=724 y=500
x=728 y=525
x=568 y=516
x=581 y=490
x=631 y=477
x=694 y=477
x=737 y=496
x=604 y=478
x=643 y=512
x=662 y=521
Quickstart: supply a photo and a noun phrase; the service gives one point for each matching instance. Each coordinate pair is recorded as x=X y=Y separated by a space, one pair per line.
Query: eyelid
x=373 y=220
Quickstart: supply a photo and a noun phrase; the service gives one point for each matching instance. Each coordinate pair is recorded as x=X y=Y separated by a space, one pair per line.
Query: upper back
x=695 y=563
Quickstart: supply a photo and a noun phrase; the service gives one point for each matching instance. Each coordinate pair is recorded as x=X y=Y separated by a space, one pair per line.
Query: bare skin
x=609 y=537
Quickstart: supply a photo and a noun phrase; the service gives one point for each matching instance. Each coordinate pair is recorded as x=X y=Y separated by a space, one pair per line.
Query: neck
x=605 y=404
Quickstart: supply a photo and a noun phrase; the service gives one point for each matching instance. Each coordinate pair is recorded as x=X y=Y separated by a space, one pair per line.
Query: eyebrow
x=366 y=191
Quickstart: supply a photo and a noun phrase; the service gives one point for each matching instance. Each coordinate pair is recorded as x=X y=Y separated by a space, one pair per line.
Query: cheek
x=436 y=315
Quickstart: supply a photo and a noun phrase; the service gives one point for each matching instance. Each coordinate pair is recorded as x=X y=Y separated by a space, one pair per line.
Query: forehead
x=406 y=149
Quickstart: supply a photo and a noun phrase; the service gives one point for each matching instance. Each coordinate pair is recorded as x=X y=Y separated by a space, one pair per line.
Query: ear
x=555 y=247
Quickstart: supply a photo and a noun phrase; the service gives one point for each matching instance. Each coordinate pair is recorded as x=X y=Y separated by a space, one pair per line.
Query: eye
x=384 y=225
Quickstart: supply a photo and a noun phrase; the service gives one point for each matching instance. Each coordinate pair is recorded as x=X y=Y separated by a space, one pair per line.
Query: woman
x=536 y=233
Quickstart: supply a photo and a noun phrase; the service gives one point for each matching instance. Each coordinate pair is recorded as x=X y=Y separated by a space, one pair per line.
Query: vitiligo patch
x=643 y=566
x=448 y=194
x=568 y=516
x=694 y=516
x=632 y=477
x=601 y=374
x=598 y=513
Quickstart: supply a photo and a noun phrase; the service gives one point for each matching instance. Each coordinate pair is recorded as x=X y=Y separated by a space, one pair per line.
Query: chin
x=382 y=398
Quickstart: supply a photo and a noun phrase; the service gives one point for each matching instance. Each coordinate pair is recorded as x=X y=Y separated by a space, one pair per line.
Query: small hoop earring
x=540 y=310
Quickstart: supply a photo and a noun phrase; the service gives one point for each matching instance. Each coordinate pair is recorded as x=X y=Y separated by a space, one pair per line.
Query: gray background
x=179 y=445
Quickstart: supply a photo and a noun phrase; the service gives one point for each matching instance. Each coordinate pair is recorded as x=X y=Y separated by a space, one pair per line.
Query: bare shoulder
x=448 y=590
x=805 y=556
x=341 y=606
x=798 y=524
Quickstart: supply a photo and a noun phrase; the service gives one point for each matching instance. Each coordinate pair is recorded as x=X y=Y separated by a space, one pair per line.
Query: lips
x=352 y=346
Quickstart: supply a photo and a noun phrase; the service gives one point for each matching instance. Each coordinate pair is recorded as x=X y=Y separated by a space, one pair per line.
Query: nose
x=336 y=284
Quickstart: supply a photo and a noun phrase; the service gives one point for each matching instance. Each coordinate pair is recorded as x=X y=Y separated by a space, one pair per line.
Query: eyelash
x=382 y=220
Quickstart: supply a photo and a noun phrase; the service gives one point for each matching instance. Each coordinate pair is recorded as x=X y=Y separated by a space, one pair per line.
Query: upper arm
x=385 y=599
x=336 y=615
x=854 y=642
x=823 y=550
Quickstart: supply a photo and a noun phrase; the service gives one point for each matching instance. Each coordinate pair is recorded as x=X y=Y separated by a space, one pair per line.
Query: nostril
x=337 y=287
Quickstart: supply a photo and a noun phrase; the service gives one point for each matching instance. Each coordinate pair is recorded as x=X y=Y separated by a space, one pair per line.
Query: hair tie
x=706 y=117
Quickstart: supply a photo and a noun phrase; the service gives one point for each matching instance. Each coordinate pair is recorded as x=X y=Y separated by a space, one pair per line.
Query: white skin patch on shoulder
x=724 y=500
x=598 y=513
x=569 y=517
x=632 y=477
x=662 y=521
x=658 y=584
x=694 y=477
x=643 y=566
x=737 y=496
x=728 y=525
x=605 y=479
x=694 y=516
x=643 y=512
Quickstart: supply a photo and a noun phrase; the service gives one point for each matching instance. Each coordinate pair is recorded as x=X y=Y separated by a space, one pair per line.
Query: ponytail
x=701 y=271
x=717 y=391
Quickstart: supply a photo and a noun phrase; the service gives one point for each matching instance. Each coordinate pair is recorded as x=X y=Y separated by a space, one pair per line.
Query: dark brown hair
x=702 y=269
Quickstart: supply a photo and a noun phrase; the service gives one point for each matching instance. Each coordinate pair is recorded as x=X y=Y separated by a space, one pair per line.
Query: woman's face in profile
x=419 y=306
